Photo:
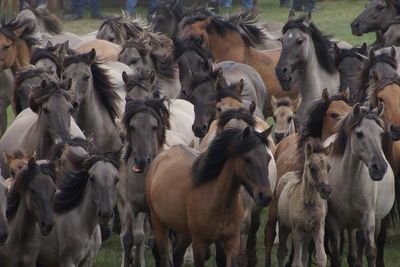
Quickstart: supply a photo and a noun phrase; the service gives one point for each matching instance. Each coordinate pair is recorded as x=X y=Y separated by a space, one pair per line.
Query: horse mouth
x=137 y=169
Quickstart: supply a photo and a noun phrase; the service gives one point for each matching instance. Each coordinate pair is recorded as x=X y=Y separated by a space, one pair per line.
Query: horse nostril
x=357 y=25
x=43 y=224
x=148 y=160
x=375 y=167
x=204 y=127
x=284 y=70
x=99 y=214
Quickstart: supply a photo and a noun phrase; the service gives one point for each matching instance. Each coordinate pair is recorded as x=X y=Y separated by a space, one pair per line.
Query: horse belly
x=167 y=184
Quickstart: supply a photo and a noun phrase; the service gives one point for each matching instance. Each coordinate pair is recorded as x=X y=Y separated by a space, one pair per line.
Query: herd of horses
x=161 y=132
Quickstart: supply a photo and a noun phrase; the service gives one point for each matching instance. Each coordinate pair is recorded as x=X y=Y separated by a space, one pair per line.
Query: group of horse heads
x=159 y=132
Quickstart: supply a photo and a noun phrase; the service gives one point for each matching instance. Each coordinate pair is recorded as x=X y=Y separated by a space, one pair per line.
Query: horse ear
x=43 y=84
x=8 y=157
x=375 y=76
x=152 y=77
x=307 y=19
x=252 y=107
x=371 y=54
x=125 y=77
x=217 y=74
x=273 y=102
x=32 y=163
x=292 y=15
x=328 y=149
x=325 y=94
x=308 y=149
x=239 y=87
x=90 y=56
x=49 y=43
x=356 y=110
x=364 y=49
x=295 y=104
x=345 y=93
x=267 y=132
x=379 y=109
x=200 y=40
x=245 y=133
x=393 y=52
x=19 y=31
x=336 y=49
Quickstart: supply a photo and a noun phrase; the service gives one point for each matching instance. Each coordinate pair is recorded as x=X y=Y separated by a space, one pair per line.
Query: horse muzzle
x=200 y=130
x=279 y=137
x=394 y=132
x=46 y=227
x=356 y=28
x=105 y=217
x=262 y=199
x=140 y=165
x=377 y=171
x=4 y=236
x=324 y=190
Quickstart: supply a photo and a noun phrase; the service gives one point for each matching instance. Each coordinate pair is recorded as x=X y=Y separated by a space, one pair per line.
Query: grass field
x=335 y=19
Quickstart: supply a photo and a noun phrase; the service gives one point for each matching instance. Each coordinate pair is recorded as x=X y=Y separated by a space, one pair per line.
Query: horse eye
x=289 y=119
x=329 y=167
x=6 y=47
x=380 y=7
x=87 y=77
x=334 y=116
x=313 y=169
x=154 y=128
x=46 y=110
x=111 y=40
x=359 y=135
x=219 y=110
x=300 y=41
x=91 y=178
x=247 y=160
x=380 y=99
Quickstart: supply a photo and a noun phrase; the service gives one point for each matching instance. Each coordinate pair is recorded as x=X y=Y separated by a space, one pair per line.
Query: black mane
x=226 y=144
x=229 y=91
x=321 y=42
x=140 y=78
x=283 y=101
x=48 y=52
x=21 y=180
x=238 y=114
x=247 y=22
x=154 y=107
x=345 y=52
x=102 y=84
x=219 y=26
x=191 y=43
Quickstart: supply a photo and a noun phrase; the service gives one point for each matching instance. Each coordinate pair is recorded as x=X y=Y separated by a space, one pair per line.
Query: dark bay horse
x=204 y=203
x=29 y=213
x=97 y=101
x=48 y=121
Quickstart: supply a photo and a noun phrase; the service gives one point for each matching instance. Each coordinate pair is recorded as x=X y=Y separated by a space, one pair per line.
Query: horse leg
x=318 y=237
x=127 y=236
x=181 y=248
x=282 y=248
x=163 y=242
x=305 y=256
x=199 y=252
x=369 y=234
x=298 y=243
x=220 y=254
x=252 y=238
x=350 y=256
x=360 y=248
x=334 y=233
x=380 y=242
x=232 y=250
x=139 y=238
x=244 y=235
x=270 y=230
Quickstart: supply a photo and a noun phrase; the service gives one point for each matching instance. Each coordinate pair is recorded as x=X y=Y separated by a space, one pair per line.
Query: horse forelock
x=239 y=114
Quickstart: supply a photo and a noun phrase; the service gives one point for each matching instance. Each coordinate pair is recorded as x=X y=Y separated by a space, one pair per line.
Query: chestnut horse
x=321 y=122
x=225 y=41
x=203 y=201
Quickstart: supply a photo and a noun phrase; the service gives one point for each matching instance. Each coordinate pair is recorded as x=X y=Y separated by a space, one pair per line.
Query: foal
x=302 y=206
x=284 y=109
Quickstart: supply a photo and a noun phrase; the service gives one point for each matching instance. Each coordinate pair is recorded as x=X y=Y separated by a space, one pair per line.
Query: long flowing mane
x=117 y=23
x=47 y=53
x=321 y=42
x=50 y=22
x=21 y=180
x=154 y=107
x=220 y=26
x=347 y=124
x=102 y=85
x=59 y=148
x=26 y=35
x=226 y=144
x=73 y=183
x=247 y=22
x=364 y=74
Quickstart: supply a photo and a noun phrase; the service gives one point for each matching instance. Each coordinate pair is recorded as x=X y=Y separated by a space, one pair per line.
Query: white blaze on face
x=290 y=35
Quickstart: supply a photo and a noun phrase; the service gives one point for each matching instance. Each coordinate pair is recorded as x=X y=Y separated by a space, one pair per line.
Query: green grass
x=335 y=19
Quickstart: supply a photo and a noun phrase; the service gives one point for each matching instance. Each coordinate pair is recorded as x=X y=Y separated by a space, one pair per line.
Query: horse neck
x=43 y=137
x=87 y=210
x=225 y=189
x=309 y=192
x=23 y=225
x=23 y=56
x=229 y=47
x=313 y=79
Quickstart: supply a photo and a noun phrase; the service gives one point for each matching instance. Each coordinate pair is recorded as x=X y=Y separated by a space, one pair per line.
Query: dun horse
x=284 y=110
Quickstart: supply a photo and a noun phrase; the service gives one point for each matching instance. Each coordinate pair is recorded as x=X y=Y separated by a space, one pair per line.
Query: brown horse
x=226 y=43
x=15 y=44
x=322 y=118
x=203 y=201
